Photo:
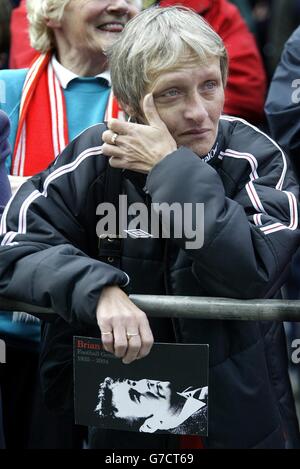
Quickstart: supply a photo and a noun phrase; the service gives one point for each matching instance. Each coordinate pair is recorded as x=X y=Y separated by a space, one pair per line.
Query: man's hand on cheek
x=138 y=147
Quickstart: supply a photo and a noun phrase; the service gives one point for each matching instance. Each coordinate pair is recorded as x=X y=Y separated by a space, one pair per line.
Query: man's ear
x=134 y=117
x=128 y=109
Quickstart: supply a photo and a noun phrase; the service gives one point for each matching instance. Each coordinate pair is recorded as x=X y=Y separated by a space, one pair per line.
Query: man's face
x=190 y=101
x=143 y=398
x=93 y=25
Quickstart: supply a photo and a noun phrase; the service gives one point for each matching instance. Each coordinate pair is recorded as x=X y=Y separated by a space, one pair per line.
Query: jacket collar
x=212 y=157
x=65 y=76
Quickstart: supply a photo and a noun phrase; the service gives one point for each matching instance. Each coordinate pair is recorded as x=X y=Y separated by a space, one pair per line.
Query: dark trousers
x=26 y=420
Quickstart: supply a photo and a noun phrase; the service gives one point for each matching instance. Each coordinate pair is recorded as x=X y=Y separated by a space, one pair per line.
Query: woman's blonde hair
x=159 y=40
x=41 y=36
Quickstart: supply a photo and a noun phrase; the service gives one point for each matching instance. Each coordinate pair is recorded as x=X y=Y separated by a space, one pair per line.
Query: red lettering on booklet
x=87 y=345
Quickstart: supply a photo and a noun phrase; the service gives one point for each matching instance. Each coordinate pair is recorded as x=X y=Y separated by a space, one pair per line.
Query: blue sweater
x=86 y=100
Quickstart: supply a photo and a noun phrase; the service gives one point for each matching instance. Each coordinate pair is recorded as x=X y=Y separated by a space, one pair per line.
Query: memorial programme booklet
x=165 y=392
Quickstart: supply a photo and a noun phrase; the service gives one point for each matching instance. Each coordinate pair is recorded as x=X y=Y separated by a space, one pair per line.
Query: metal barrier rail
x=190 y=307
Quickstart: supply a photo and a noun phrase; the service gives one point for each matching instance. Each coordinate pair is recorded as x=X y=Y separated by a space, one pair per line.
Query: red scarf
x=43 y=129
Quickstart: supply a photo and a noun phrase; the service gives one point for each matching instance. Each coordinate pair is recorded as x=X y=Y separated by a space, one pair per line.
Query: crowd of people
x=122 y=98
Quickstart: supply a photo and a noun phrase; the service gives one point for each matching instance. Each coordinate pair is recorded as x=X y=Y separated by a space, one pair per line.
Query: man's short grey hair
x=41 y=36
x=159 y=40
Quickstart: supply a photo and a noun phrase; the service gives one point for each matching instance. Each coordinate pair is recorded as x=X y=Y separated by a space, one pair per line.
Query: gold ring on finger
x=131 y=335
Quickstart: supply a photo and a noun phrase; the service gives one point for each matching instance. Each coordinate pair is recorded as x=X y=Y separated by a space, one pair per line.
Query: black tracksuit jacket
x=49 y=257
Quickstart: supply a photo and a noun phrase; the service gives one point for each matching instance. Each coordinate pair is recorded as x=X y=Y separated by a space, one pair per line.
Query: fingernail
x=126 y=362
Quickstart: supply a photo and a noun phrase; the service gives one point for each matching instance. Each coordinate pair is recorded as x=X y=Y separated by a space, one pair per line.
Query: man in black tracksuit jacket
x=49 y=234
x=49 y=251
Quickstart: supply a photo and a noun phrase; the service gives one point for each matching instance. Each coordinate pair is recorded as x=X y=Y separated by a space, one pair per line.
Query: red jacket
x=21 y=54
x=246 y=87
